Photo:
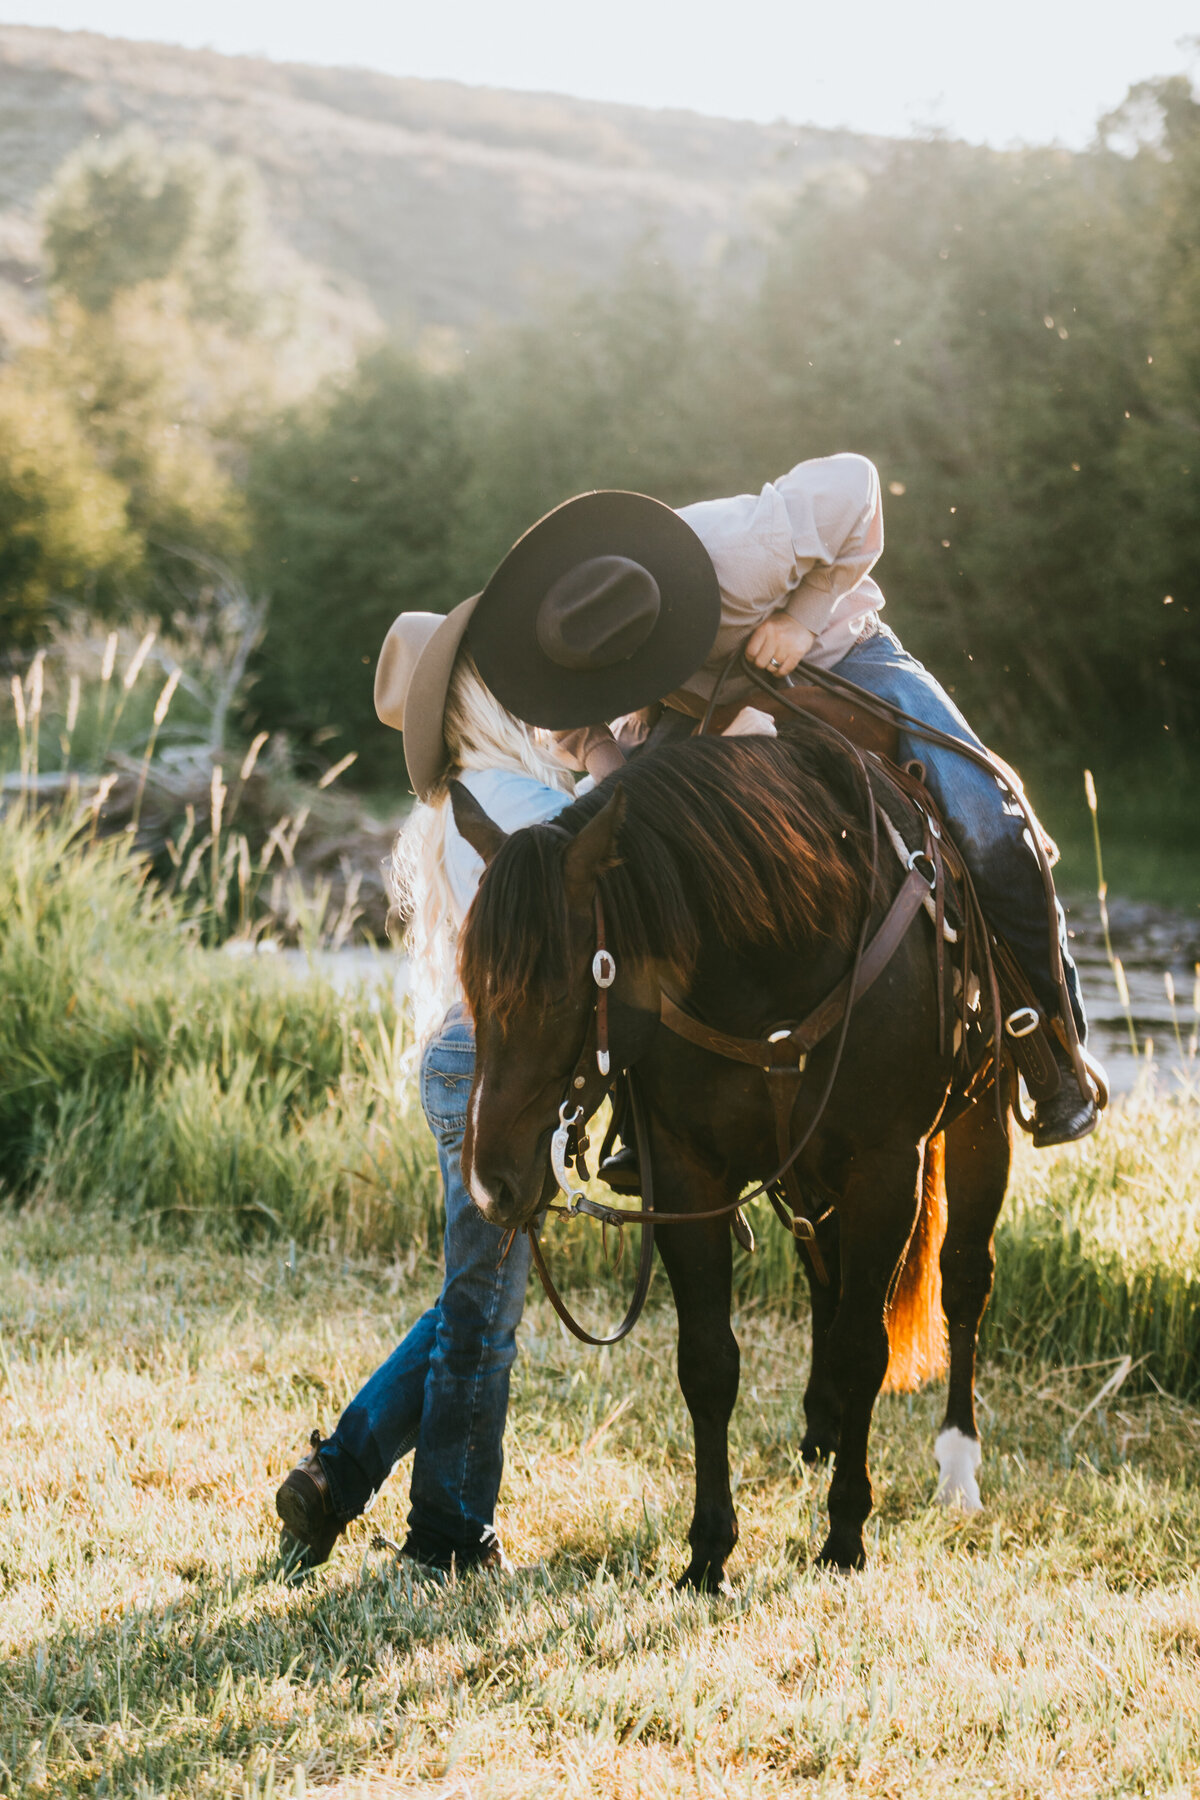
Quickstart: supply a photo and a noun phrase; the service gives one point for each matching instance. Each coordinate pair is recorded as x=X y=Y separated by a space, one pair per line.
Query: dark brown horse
x=734 y=876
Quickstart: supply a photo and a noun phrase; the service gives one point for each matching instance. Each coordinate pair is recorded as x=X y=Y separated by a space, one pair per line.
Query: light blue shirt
x=510 y=800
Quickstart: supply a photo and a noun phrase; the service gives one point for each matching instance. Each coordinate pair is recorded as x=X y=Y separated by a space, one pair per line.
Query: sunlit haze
x=1026 y=72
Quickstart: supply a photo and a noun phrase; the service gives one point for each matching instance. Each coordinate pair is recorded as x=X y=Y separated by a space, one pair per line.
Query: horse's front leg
x=698 y=1260
x=822 y=1395
x=877 y=1212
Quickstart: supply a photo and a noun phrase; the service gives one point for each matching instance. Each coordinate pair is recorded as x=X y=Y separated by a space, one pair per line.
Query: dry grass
x=149 y=1402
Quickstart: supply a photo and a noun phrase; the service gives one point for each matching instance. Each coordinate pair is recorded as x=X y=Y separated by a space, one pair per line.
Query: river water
x=1150 y=942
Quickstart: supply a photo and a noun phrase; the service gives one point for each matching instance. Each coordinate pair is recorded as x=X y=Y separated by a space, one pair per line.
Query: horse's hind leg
x=877 y=1211
x=699 y=1263
x=977 y=1162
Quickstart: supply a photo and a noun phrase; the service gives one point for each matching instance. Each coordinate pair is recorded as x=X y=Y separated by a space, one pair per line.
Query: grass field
x=219 y=1210
x=151 y=1398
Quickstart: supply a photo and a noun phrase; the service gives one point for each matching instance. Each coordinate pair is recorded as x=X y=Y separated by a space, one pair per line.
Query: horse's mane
x=754 y=840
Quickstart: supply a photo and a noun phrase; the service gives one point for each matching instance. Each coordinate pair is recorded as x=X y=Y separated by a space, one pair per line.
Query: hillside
x=435 y=203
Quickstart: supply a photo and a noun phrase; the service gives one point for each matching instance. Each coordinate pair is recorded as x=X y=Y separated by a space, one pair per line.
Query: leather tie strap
x=604 y=973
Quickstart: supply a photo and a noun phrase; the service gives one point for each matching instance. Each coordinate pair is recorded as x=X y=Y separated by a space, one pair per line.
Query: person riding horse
x=588 y=619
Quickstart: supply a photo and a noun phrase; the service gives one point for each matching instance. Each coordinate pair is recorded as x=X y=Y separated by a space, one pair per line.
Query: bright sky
x=1007 y=71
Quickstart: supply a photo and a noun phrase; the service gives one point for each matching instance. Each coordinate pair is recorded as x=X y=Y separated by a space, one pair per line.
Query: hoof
x=701 y=1578
x=839 y=1553
x=814 y=1450
x=958 y=1458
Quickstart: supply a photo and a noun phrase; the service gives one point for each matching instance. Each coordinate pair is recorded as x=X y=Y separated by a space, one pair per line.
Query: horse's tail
x=916 y=1326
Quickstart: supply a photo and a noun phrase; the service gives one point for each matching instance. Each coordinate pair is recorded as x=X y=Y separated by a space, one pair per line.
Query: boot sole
x=1069 y=1137
x=628 y=1182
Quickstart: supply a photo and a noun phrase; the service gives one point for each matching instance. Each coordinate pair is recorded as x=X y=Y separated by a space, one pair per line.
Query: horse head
x=528 y=947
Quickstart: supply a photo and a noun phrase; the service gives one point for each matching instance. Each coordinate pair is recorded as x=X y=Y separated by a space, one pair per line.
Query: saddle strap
x=864 y=729
x=787 y=1052
x=1030 y=1049
x=783 y=1085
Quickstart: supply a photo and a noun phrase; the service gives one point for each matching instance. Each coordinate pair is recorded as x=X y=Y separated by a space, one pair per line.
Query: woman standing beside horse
x=443 y=1393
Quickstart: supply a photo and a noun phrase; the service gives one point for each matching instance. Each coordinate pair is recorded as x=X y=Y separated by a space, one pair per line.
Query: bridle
x=569 y=1145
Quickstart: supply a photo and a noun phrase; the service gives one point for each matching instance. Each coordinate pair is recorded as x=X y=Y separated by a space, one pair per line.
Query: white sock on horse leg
x=958 y=1458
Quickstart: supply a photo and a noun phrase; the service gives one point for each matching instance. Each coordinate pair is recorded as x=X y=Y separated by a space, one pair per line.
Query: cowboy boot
x=620 y=1171
x=440 y=1564
x=1067 y=1114
x=305 y=1505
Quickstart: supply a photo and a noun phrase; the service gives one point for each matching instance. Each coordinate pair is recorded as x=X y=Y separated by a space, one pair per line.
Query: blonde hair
x=480 y=733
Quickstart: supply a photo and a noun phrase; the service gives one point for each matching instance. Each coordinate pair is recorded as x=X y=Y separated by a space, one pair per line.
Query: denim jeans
x=988 y=827
x=444 y=1390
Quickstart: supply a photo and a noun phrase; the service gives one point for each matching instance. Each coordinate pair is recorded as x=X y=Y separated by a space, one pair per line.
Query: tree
x=63 y=527
x=130 y=211
x=159 y=339
x=148 y=387
x=1160 y=565
x=353 y=499
x=975 y=321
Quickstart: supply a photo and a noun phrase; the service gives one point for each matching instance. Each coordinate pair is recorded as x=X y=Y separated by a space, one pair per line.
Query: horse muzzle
x=505 y=1195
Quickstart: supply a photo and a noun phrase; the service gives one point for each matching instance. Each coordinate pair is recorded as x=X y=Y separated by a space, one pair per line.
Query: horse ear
x=593 y=849
x=481 y=832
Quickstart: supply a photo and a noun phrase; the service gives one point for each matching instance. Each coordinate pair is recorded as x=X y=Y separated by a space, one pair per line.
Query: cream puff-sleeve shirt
x=805 y=545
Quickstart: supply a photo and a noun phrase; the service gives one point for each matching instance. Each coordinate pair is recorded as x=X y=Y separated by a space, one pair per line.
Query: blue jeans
x=444 y=1390
x=988 y=828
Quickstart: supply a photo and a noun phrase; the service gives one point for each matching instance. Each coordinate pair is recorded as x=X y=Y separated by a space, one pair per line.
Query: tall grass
x=187 y=1090
x=141 y=1072
x=129 y=736
x=1098 y=1249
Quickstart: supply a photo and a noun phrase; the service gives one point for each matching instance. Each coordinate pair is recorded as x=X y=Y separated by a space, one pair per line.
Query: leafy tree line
x=1014 y=338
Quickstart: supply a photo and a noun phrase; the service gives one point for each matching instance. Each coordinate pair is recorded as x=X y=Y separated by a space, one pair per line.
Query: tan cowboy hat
x=411 y=680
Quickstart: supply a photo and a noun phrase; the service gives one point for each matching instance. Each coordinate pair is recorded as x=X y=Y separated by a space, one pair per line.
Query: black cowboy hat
x=605 y=605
